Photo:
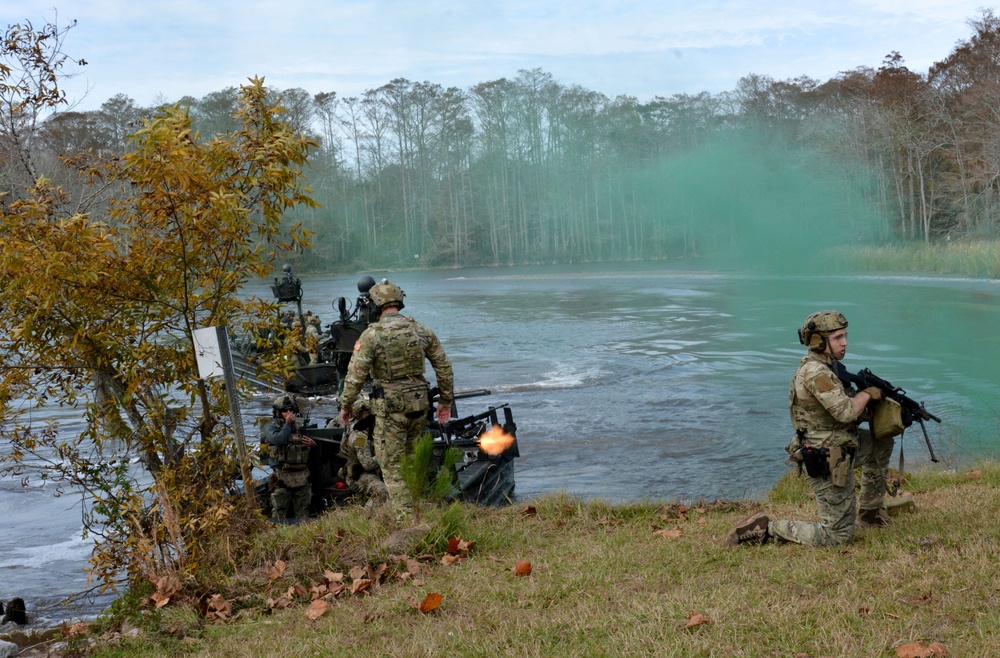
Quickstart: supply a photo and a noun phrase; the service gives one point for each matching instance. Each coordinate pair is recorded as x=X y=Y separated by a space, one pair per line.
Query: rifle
x=911 y=410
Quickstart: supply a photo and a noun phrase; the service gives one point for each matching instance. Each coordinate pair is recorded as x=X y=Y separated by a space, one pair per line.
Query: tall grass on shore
x=966 y=258
x=643 y=579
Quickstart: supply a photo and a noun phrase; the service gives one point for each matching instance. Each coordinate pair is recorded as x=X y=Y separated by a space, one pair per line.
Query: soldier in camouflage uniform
x=829 y=444
x=392 y=352
x=361 y=471
x=288 y=450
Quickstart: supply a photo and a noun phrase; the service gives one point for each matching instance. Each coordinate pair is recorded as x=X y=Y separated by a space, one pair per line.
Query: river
x=628 y=382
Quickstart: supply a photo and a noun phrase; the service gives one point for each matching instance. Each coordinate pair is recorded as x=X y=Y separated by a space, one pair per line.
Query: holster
x=841 y=461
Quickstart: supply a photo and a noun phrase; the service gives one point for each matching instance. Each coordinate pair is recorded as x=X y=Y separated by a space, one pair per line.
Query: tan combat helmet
x=386 y=294
x=818 y=326
x=283 y=403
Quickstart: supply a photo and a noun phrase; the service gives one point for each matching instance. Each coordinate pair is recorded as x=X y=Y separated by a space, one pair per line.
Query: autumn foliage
x=104 y=284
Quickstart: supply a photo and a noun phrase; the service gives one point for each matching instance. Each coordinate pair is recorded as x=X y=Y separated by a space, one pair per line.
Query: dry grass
x=605 y=581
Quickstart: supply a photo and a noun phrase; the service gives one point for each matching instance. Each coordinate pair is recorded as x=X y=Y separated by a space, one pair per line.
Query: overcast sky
x=161 y=50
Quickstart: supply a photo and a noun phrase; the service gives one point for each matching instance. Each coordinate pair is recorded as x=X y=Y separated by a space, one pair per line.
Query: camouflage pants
x=300 y=498
x=837 y=506
x=394 y=435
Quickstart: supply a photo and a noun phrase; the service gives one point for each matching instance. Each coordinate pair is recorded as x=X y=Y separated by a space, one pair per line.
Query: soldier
x=288 y=449
x=361 y=471
x=392 y=351
x=829 y=444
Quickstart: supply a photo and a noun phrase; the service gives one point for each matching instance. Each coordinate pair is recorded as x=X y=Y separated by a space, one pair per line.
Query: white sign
x=208 y=352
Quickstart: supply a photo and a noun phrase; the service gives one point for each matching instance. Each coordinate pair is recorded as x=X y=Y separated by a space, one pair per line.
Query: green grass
x=974 y=258
x=605 y=582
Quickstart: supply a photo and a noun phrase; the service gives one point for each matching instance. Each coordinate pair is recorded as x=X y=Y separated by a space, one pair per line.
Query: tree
x=99 y=312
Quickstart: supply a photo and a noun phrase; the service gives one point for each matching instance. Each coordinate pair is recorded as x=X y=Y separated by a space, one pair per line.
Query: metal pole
x=234 y=414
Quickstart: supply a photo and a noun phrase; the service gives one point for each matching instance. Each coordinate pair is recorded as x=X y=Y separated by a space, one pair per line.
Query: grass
x=974 y=258
x=609 y=580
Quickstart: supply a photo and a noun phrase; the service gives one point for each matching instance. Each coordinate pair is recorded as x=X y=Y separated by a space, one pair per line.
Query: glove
x=874 y=392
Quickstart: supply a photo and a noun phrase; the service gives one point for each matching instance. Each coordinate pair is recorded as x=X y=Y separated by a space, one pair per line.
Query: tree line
x=529 y=170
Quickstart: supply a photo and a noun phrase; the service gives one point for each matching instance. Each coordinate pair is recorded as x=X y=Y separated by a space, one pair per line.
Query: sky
x=158 y=51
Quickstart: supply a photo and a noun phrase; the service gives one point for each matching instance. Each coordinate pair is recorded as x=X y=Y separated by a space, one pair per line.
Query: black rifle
x=911 y=410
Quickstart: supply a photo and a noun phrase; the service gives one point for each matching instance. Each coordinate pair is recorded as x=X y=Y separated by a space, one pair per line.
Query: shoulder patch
x=357 y=345
x=824 y=383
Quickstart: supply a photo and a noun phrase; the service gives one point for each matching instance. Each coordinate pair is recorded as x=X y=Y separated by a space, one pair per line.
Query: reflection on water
x=642 y=382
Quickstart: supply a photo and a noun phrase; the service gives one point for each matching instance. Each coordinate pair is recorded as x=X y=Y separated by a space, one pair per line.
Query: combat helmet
x=385 y=294
x=283 y=403
x=818 y=326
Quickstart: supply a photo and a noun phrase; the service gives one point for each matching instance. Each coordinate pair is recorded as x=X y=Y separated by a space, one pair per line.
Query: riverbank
x=973 y=258
x=563 y=577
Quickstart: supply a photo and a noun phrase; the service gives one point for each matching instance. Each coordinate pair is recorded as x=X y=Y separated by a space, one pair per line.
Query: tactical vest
x=399 y=353
x=293 y=455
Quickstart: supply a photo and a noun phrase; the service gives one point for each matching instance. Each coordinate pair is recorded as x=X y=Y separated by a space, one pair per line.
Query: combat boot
x=871 y=518
x=751 y=530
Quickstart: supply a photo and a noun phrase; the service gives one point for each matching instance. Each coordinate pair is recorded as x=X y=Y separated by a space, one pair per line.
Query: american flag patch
x=357 y=345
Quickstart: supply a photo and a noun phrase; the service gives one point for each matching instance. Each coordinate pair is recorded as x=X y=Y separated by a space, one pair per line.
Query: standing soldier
x=392 y=351
x=829 y=445
x=288 y=449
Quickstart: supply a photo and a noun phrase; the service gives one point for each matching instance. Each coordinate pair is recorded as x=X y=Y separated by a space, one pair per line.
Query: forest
x=527 y=170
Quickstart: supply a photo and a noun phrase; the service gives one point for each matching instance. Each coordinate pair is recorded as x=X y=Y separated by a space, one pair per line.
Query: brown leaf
x=448 y=559
x=701 y=520
x=529 y=511
x=939 y=650
x=360 y=585
x=316 y=609
x=522 y=568
x=673 y=533
x=430 y=602
x=332 y=577
x=159 y=600
x=358 y=572
x=413 y=567
x=453 y=545
x=696 y=619
x=976 y=474
x=914 y=650
x=279 y=603
x=319 y=590
x=219 y=608
x=276 y=570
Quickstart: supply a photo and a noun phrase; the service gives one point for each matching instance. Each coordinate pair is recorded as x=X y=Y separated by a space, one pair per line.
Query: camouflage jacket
x=392 y=352
x=821 y=410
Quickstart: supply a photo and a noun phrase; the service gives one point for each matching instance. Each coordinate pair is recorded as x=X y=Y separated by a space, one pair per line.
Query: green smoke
x=746 y=203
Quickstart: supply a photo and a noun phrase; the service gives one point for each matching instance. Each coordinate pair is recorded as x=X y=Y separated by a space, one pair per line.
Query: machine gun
x=910 y=409
x=472 y=431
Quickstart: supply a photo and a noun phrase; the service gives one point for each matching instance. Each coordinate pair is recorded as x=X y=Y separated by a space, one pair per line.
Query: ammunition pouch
x=292 y=454
x=411 y=401
x=816 y=461
x=887 y=420
x=293 y=478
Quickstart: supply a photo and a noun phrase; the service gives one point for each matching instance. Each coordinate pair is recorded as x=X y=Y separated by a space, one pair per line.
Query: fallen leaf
x=673 y=533
x=219 y=608
x=333 y=577
x=413 y=567
x=360 y=585
x=976 y=474
x=159 y=600
x=276 y=570
x=279 y=603
x=696 y=619
x=522 y=568
x=449 y=559
x=529 y=511
x=430 y=602
x=316 y=609
x=701 y=520
x=358 y=572
x=919 y=650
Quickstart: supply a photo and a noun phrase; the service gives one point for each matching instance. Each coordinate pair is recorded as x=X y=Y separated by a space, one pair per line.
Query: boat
x=483 y=475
